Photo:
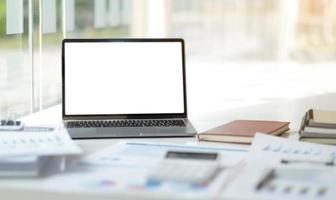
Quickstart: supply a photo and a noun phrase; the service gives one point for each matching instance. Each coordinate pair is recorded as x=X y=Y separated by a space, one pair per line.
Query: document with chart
x=278 y=150
x=37 y=143
x=278 y=183
x=280 y=168
x=126 y=167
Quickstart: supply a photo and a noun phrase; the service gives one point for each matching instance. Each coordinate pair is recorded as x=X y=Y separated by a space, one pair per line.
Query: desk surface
x=286 y=110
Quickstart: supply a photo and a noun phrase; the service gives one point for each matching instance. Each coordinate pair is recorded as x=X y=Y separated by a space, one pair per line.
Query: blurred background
x=239 y=52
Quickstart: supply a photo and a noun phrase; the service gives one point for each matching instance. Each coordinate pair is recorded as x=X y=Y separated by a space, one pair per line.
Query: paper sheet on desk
x=57 y=142
x=287 y=183
x=306 y=176
x=272 y=148
x=123 y=168
x=120 y=183
x=145 y=154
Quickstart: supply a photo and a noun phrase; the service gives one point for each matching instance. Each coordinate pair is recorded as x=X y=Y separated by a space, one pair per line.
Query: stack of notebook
x=319 y=126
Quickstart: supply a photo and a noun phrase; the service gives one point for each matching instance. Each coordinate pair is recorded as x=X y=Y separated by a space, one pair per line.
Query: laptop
x=124 y=88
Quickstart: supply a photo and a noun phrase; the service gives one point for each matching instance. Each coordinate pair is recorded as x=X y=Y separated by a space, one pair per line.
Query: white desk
x=287 y=110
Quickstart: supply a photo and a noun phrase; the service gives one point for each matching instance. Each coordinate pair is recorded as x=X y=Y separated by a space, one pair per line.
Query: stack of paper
x=22 y=166
x=24 y=153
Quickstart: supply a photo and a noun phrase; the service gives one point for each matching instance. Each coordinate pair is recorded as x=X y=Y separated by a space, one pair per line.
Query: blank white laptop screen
x=104 y=78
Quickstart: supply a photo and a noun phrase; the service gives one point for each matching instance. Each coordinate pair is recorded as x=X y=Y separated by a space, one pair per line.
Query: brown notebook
x=243 y=131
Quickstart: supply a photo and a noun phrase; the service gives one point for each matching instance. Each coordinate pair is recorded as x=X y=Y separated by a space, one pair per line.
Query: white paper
x=21 y=143
x=122 y=170
x=313 y=181
x=303 y=178
x=278 y=145
x=272 y=149
x=119 y=183
x=146 y=155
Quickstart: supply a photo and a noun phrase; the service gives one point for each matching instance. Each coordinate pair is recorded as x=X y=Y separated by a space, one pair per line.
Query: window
x=31 y=32
x=253 y=52
x=15 y=59
x=259 y=50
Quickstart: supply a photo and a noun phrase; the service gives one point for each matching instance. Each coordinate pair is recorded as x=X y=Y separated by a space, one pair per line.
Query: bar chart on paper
x=37 y=143
x=281 y=146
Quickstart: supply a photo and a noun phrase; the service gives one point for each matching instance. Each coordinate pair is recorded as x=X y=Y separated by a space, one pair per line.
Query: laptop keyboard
x=126 y=123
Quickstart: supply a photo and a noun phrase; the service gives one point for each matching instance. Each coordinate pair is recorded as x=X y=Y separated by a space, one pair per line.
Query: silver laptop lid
x=123 y=78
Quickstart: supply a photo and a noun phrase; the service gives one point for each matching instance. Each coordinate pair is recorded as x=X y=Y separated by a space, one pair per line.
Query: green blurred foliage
x=84 y=17
x=2 y=18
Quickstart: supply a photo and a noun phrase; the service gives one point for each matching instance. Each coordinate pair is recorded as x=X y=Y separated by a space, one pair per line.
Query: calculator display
x=191 y=155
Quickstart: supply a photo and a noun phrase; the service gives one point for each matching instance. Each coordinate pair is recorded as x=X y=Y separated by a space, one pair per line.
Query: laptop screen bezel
x=125 y=116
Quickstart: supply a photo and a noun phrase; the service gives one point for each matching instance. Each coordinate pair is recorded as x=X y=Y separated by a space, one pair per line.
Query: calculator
x=191 y=167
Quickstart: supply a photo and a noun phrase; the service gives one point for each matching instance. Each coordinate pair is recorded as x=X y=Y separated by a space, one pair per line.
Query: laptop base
x=96 y=133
